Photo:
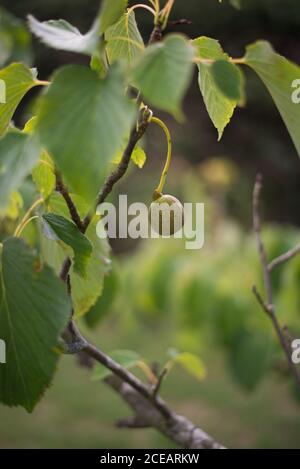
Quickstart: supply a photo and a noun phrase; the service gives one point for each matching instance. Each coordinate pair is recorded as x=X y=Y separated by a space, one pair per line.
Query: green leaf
x=18 y=80
x=34 y=310
x=138 y=157
x=43 y=176
x=278 y=74
x=219 y=107
x=57 y=204
x=87 y=290
x=163 y=73
x=104 y=303
x=111 y=11
x=126 y=358
x=18 y=155
x=69 y=233
x=191 y=363
x=228 y=77
x=60 y=34
x=82 y=121
x=124 y=41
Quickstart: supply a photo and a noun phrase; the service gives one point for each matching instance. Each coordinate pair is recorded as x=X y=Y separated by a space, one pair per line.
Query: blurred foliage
x=15 y=40
x=203 y=298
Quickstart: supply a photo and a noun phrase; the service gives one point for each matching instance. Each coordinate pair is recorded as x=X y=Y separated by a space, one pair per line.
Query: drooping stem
x=24 y=220
x=34 y=217
x=141 y=5
x=161 y=124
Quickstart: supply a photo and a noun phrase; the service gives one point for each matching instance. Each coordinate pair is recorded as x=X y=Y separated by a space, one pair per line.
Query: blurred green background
x=161 y=296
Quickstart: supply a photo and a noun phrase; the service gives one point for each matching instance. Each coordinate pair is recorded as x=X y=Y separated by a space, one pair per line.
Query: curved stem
x=161 y=124
x=20 y=227
x=25 y=224
x=141 y=5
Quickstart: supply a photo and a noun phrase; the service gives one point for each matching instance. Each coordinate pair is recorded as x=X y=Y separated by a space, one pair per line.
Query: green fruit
x=166 y=215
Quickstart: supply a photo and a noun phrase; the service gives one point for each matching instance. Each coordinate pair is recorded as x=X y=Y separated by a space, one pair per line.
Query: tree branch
x=177 y=428
x=150 y=410
x=284 y=257
x=136 y=134
x=60 y=187
x=268 y=306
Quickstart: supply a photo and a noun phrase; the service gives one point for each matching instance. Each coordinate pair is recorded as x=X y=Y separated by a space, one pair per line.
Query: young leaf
x=43 y=176
x=191 y=363
x=111 y=11
x=125 y=358
x=82 y=121
x=215 y=93
x=18 y=80
x=68 y=232
x=104 y=303
x=60 y=34
x=138 y=157
x=163 y=73
x=124 y=41
x=34 y=310
x=278 y=74
x=18 y=155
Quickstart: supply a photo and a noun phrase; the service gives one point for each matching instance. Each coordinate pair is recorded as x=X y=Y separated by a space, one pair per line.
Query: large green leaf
x=278 y=74
x=34 y=310
x=82 y=121
x=219 y=106
x=111 y=11
x=126 y=358
x=18 y=80
x=60 y=34
x=163 y=73
x=69 y=233
x=18 y=155
x=228 y=77
x=124 y=41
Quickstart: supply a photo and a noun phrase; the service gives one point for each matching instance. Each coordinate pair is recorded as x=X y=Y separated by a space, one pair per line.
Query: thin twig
x=60 y=187
x=160 y=379
x=135 y=135
x=180 y=22
x=284 y=257
x=268 y=306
